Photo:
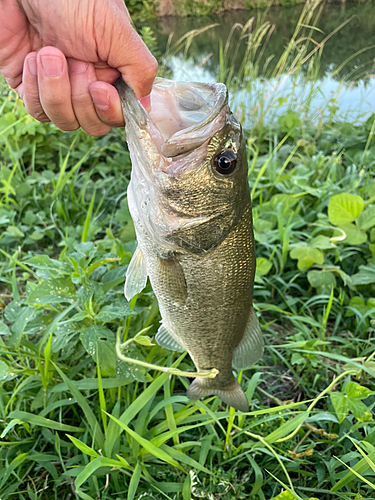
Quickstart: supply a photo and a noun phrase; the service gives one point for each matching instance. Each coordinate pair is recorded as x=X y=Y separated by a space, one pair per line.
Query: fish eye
x=225 y=162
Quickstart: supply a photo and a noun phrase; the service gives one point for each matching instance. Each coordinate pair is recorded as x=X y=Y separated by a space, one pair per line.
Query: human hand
x=62 y=56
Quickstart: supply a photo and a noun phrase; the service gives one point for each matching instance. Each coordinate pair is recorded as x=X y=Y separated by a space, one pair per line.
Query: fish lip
x=172 y=147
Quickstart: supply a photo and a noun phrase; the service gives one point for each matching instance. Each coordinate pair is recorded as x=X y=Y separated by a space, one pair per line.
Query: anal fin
x=250 y=349
x=136 y=275
x=165 y=339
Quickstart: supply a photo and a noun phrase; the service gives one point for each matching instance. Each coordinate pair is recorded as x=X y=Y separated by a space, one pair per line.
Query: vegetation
x=77 y=422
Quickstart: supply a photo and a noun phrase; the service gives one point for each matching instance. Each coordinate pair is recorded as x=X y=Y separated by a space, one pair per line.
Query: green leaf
x=36 y=236
x=5 y=373
x=110 y=313
x=144 y=340
x=4 y=330
x=83 y=447
x=53 y=291
x=43 y=422
x=89 y=414
x=322 y=242
x=263 y=266
x=365 y=276
x=147 y=445
x=366 y=220
x=354 y=390
x=49 y=268
x=323 y=281
x=344 y=208
x=91 y=384
x=359 y=410
x=134 y=481
x=99 y=342
x=354 y=236
x=340 y=404
x=307 y=256
x=14 y=231
x=287 y=428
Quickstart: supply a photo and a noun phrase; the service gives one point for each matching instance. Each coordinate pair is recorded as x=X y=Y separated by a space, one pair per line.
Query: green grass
x=77 y=422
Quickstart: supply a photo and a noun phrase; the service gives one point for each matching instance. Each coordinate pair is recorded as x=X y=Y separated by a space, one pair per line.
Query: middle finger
x=54 y=88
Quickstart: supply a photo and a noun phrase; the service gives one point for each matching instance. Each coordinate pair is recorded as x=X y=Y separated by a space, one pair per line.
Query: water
x=351 y=50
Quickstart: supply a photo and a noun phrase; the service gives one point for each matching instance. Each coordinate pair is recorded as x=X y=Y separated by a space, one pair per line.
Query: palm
x=17 y=39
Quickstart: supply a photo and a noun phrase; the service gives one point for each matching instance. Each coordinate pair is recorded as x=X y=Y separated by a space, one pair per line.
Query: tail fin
x=233 y=396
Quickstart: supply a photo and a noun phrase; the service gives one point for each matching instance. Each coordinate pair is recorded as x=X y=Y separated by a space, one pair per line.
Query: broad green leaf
x=340 y=404
x=263 y=266
x=354 y=390
x=344 y=208
x=322 y=242
x=110 y=313
x=99 y=342
x=359 y=410
x=366 y=220
x=356 y=303
x=144 y=340
x=323 y=281
x=45 y=267
x=307 y=256
x=5 y=373
x=365 y=276
x=354 y=235
x=14 y=231
x=4 y=330
x=53 y=291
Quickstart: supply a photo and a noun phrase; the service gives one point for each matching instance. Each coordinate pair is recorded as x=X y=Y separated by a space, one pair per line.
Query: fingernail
x=52 y=65
x=76 y=66
x=100 y=98
x=32 y=66
x=146 y=102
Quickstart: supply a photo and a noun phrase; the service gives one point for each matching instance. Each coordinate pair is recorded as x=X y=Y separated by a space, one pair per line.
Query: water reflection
x=347 y=44
x=349 y=50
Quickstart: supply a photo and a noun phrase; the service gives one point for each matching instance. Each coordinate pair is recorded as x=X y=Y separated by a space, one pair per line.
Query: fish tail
x=233 y=395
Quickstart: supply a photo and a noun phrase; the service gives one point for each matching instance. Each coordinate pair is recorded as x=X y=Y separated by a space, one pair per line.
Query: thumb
x=130 y=56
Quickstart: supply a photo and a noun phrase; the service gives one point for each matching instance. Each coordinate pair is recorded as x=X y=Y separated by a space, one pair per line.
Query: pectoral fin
x=136 y=275
x=165 y=339
x=250 y=349
x=171 y=277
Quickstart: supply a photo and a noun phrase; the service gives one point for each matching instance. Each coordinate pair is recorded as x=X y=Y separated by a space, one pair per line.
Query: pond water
x=344 y=78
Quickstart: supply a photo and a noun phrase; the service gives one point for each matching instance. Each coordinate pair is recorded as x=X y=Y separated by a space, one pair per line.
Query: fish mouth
x=183 y=116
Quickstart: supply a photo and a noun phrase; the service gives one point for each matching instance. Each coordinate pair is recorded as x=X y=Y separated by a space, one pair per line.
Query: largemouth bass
x=190 y=203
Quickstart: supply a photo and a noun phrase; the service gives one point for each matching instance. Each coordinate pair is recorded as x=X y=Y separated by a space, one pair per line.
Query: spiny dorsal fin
x=165 y=339
x=250 y=349
x=136 y=275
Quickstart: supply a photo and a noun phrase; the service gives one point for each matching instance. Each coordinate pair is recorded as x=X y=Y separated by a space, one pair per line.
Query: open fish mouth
x=183 y=116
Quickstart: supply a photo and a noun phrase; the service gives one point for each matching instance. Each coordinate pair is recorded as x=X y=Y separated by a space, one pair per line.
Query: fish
x=190 y=203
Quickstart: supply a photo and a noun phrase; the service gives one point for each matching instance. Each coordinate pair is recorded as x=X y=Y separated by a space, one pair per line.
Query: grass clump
x=78 y=422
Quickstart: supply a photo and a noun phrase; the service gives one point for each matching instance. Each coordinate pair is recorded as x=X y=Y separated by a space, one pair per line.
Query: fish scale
x=194 y=229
